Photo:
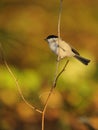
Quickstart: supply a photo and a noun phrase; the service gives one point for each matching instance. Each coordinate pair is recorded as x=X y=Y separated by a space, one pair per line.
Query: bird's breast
x=54 y=47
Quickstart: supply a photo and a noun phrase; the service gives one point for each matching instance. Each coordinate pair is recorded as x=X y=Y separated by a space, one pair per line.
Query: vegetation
x=23 y=26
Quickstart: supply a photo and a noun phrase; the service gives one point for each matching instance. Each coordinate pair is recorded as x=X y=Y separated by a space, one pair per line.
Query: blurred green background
x=23 y=27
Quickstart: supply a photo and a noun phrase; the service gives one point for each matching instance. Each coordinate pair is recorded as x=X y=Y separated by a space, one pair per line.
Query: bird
x=63 y=49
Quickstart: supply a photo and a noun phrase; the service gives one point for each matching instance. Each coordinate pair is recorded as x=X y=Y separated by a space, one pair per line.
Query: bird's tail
x=82 y=59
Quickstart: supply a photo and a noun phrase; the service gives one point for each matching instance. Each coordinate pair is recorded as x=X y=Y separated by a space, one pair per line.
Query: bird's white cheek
x=53 y=47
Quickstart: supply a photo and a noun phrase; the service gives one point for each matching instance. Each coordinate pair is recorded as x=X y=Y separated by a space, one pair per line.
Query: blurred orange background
x=23 y=27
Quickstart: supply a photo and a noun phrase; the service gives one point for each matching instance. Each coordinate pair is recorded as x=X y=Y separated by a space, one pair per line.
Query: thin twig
x=16 y=82
x=44 y=110
x=57 y=65
x=19 y=90
x=60 y=73
x=51 y=91
x=59 y=30
x=59 y=18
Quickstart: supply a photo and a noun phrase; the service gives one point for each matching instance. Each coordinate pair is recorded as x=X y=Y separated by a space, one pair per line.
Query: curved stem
x=57 y=65
x=19 y=90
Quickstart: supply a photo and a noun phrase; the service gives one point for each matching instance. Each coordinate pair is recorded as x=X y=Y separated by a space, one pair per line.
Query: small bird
x=63 y=49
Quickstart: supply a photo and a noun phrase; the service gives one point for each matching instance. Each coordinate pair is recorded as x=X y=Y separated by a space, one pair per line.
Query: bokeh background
x=23 y=27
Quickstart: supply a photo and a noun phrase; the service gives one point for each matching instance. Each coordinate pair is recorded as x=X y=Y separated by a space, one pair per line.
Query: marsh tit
x=63 y=49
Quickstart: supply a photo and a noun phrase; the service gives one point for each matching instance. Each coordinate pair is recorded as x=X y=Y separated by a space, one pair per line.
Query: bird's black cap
x=51 y=36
